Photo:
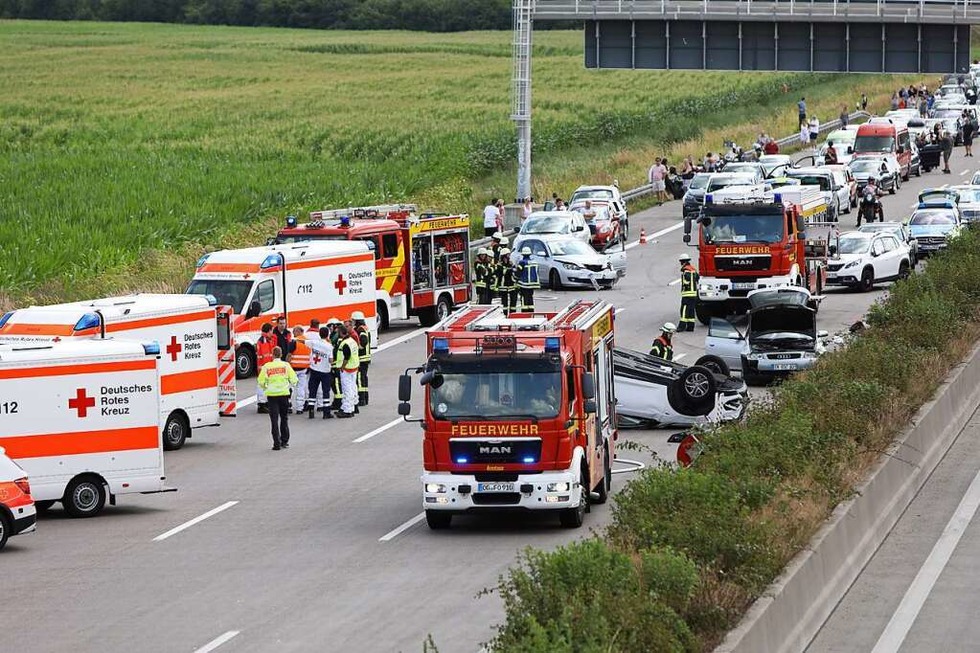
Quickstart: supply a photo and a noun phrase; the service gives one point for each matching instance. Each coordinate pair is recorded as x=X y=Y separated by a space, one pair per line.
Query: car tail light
x=24 y=485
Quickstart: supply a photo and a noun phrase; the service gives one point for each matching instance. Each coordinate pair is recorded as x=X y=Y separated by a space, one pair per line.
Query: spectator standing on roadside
x=969 y=129
x=845 y=117
x=804 y=133
x=814 y=130
x=490 y=218
x=656 y=177
x=801 y=108
x=500 y=216
x=864 y=102
x=947 y=143
x=895 y=99
x=923 y=106
x=526 y=209
x=771 y=147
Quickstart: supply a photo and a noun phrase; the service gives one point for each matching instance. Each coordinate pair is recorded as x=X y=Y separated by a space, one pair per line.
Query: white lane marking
x=400 y=339
x=679 y=356
x=380 y=429
x=390 y=535
x=901 y=622
x=674 y=282
x=196 y=520
x=248 y=401
x=964 y=173
x=218 y=641
x=656 y=234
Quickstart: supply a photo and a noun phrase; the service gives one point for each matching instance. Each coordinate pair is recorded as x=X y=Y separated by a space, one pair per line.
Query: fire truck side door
x=602 y=370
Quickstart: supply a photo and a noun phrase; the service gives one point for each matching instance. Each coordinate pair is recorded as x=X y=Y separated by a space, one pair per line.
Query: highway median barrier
x=813 y=479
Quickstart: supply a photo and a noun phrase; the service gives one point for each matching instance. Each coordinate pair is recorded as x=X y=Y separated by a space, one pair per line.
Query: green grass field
x=124 y=141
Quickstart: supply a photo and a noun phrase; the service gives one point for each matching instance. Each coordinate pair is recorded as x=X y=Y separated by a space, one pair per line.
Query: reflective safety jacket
x=347 y=358
x=506 y=278
x=481 y=274
x=527 y=274
x=662 y=349
x=300 y=358
x=263 y=349
x=276 y=377
x=689 y=281
x=364 y=342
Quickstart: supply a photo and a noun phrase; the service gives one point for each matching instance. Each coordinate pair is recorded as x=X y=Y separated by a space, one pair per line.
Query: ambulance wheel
x=573 y=517
x=5 y=529
x=605 y=484
x=43 y=506
x=244 y=362
x=175 y=431
x=438 y=519
x=85 y=496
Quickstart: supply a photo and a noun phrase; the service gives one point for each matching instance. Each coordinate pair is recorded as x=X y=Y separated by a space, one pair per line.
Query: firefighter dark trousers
x=687 y=313
x=483 y=295
x=279 y=416
x=362 y=383
x=527 y=300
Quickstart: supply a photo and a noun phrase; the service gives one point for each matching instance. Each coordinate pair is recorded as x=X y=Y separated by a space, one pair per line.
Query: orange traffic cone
x=643 y=236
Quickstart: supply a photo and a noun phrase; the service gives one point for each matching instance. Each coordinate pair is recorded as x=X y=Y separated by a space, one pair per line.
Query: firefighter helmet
x=525 y=251
x=497 y=236
x=684 y=258
x=669 y=327
x=483 y=251
x=332 y=321
x=503 y=241
x=357 y=315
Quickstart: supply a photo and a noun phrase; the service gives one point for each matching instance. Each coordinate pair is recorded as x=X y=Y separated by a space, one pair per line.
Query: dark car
x=694 y=197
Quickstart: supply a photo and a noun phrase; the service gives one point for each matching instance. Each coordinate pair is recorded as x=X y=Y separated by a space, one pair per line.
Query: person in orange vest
x=299 y=359
x=263 y=354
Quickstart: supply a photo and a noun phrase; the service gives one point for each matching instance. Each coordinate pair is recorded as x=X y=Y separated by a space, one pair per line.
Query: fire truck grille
x=496 y=498
x=473 y=451
x=496 y=477
x=735 y=263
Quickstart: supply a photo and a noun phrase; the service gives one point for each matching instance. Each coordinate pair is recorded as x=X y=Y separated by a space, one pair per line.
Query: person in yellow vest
x=363 y=335
x=689 y=293
x=482 y=275
x=507 y=286
x=334 y=325
x=349 y=364
x=276 y=378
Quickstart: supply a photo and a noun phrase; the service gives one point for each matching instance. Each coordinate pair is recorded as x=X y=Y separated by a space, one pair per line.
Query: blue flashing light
x=88 y=321
x=204 y=259
x=151 y=348
x=345 y=221
x=291 y=221
x=462 y=461
x=440 y=345
x=708 y=199
x=529 y=460
x=212 y=300
x=778 y=198
x=6 y=316
x=552 y=344
x=271 y=261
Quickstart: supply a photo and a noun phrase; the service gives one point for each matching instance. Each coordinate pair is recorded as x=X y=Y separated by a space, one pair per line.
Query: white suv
x=863 y=259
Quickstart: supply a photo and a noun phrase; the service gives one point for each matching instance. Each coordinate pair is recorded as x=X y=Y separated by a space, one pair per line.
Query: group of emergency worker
x=496 y=274
x=317 y=368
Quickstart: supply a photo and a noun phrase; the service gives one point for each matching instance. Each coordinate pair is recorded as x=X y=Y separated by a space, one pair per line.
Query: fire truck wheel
x=715 y=364
x=85 y=496
x=175 y=431
x=382 y=317
x=438 y=519
x=605 y=484
x=4 y=530
x=573 y=517
x=554 y=280
x=43 y=506
x=244 y=362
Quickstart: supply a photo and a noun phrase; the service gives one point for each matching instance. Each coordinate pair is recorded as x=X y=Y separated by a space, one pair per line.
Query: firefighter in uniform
x=689 y=292
x=482 y=275
x=661 y=346
x=334 y=325
x=263 y=354
x=320 y=372
x=363 y=336
x=348 y=365
x=527 y=280
x=506 y=287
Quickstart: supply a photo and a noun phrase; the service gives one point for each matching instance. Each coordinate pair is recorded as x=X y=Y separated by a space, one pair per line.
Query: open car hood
x=784 y=319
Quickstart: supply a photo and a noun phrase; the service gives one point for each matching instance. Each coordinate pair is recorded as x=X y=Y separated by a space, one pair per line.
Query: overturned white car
x=652 y=392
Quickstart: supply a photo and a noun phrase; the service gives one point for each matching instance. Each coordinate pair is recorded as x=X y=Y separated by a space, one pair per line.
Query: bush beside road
x=761 y=488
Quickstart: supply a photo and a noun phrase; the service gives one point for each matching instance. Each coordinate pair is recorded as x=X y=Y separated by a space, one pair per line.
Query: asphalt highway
x=323 y=547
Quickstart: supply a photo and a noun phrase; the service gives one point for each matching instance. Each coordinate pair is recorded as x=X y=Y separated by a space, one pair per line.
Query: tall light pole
x=521 y=109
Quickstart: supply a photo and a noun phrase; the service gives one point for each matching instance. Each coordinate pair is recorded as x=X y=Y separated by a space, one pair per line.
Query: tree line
x=422 y=15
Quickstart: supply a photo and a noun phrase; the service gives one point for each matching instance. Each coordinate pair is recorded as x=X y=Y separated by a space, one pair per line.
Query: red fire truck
x=519 y=412
x=752 y=237
x=422 y=261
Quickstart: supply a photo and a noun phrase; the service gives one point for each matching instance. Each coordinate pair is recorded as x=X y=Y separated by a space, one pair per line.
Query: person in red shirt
x=771 y=147
x=263 y=354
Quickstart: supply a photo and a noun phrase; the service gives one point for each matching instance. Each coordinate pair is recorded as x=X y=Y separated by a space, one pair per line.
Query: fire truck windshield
x=497 y=387
x=299 y=238
x=232 y=293
x=758 y=228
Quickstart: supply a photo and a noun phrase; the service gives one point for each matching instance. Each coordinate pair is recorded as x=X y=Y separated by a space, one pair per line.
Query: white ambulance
x=195 y=337
x=301 y=281
x=17 y=511
x=82 y=418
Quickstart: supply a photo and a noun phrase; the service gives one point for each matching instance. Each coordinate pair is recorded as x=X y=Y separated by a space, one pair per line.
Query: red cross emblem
x=56 y=339
x=174 y=348
x=81 y=402
x=316 y=359
x=340 y=284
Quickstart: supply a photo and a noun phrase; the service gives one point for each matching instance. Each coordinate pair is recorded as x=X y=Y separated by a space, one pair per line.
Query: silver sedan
x=567 y=261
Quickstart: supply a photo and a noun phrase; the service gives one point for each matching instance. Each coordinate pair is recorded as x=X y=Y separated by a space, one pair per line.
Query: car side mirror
x=271 y=240
x=253 y=309
x=404 y=388
x=875 y=254
x=832 y=249
x=542 y=254
x=850 y=150
x=588 y=386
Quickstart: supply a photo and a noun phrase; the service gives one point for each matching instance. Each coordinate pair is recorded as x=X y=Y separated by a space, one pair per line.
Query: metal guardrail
x=902 y=11
x=646 y=189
